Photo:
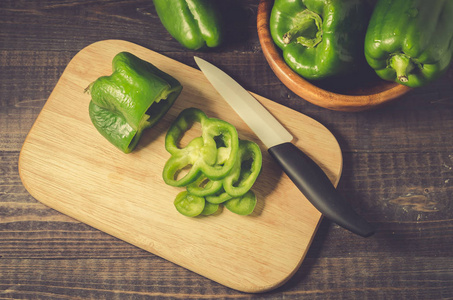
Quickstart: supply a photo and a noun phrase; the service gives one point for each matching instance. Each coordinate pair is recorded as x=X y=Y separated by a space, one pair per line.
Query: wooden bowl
x=351 y=93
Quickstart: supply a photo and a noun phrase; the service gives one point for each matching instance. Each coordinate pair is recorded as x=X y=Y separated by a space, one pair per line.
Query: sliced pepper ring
x=246 y=170
x=219 y=197
x=203 y=186
x=186 y=159
x=243 y=205
x=189 y=205
x=213 y=154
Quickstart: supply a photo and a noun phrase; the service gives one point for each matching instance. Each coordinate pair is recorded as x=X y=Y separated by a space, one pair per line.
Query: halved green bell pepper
x=410 y=41
x=134 y=97
x=194 y=24
x=318 y=38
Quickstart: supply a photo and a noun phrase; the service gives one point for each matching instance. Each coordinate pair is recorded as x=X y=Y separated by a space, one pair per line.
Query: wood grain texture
x=397 y=166
x=67 y=165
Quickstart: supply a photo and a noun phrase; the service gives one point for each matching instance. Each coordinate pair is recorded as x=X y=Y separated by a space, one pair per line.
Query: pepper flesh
x=410 y=41
x=320 y=39
x=212 y=154
x=219 y=167
x=134 y=97
x=194 y=24
x=239 y=180
x=246 y=170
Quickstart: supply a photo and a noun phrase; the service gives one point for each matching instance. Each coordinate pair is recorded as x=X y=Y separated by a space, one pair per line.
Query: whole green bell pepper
x=318 y=38
x=410 y=41
x=134 y=97
x=194 y=24
x=212 y=154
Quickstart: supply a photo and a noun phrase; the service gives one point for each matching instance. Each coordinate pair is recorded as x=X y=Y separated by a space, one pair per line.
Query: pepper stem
x=307 y=29
x=87 y=90
x=403 y=65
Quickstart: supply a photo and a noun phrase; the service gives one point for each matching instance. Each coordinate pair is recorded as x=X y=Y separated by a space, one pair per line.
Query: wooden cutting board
x=67 y=165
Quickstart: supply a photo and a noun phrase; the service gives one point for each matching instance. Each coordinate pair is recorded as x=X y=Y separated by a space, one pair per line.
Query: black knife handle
x=317 y=188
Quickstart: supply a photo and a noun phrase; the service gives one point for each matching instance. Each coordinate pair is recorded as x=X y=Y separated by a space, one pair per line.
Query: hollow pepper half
x=410 y=41
x=213 y=154
x=194 y=24
x=320 y=39
x=134 y=97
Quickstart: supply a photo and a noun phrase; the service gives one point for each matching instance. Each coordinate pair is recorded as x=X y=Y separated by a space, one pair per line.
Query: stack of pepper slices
x=218 y=167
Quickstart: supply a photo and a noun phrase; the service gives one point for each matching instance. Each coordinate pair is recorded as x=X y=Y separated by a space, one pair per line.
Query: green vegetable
x=219 y=197
x=246 y=170
x=194 y=24
x=219 y=167
x=134 y=97
x=203 y=186
x=213 y=154
x=243 y=205
x=239 y=180
x=209 y=209
x=410 y=41
x=320 y=39
x=189 y=205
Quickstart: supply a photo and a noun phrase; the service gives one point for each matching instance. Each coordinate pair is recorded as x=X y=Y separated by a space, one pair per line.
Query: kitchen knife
x=303 y=171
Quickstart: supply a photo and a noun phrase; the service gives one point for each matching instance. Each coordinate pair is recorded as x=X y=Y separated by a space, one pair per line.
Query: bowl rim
x=311 y=92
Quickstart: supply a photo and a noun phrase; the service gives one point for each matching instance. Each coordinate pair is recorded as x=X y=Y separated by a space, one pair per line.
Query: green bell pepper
x=219 y=168
x=318 y=38
x=194 y=24
x=219 y=197
x=243 y=205
x=203 y=186
x=189 y=205
x=134 y=97
x=410 y=41
x=212 y=154
x=239 y=180
x=246 y=170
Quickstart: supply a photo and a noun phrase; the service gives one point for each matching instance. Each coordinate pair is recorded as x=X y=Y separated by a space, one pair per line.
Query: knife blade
x=309 y=178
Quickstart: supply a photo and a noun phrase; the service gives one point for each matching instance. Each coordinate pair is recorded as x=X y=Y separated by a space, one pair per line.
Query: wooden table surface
x=398 y=173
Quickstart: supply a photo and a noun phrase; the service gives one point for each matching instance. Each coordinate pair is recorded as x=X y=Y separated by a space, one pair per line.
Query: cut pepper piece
x=134 y=97
x=243 y=205
x=213 y=154
x=245 y=171
x=239 y=180
x=203 y=186
x=189 y=205
x=210 y=209
x=219 y=197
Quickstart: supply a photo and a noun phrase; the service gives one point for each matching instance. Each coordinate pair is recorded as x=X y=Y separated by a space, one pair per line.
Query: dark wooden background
x=398 y=173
